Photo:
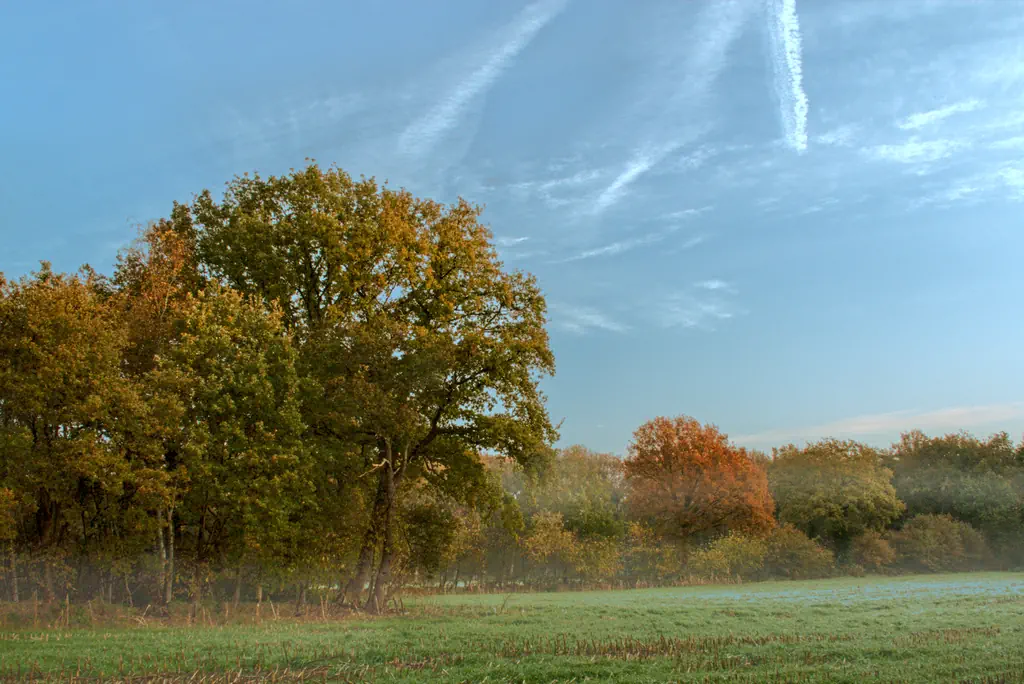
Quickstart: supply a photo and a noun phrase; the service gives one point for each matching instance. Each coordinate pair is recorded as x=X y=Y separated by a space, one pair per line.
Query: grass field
x=937 y=628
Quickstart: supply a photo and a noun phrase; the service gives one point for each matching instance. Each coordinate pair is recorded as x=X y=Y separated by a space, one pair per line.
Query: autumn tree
x=67 y=417
x=833 y=489
x=692 y=484
x=418 y=340
x=153 y=282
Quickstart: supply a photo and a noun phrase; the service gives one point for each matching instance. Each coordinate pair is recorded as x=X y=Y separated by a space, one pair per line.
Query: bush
x=939 y=543
x=734 y=555
x=598 y=559
x=793 y=555
x=871 y=551
x=648 y=558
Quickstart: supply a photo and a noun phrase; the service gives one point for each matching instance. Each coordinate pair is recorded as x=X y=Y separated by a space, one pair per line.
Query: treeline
x=687 y=506
x=316 y=385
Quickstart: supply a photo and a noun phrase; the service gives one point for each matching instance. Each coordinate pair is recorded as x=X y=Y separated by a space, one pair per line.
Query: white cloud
x=509 y=241
x=1006 y=181
x=618 y=247
x=915 y=151
x=1014 y=143
x=841 y=136
x=687 y=213
x=580 y=320
x=621 y=246
x=923 y=119
x=690 y=243
x=887 y=424
x=636 y=168
x=423 y=134
x=1013 y=178
x=561 y=191
x=699 y=307
x=961 y=191
x=713 y=284
x=713 y=35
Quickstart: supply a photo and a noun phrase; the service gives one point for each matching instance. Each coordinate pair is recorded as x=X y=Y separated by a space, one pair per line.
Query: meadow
x=934 y=628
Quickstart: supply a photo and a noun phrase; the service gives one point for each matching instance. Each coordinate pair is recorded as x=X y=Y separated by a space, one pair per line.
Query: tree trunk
x=14 y=576
x=378 y=596
x=300 y=601
x=370 y=542
x=197 y=590
x=161 y=549
x=238 y=589
x=48 y=581
x=169 y=585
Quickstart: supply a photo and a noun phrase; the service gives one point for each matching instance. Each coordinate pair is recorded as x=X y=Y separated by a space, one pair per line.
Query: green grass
x=940 y=628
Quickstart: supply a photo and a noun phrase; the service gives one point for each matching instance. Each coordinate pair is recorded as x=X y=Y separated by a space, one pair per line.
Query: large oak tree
x=420 y=345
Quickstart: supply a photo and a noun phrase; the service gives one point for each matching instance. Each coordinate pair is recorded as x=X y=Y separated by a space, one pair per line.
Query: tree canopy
x=833 y=489
x=692 y=483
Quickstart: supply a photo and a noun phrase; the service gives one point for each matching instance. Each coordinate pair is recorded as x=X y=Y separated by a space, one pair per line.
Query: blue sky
x=791 y=219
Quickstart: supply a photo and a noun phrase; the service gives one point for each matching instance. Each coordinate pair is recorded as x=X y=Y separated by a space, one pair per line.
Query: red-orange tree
x=692 y=484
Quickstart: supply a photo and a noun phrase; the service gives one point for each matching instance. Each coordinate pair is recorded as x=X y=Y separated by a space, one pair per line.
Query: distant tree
x=793 y=555
x=940 y=543
x=587 y=488
x=872 y=551
x=980 y=482
x=549 y=544
x=833 y=489
x=692 y=484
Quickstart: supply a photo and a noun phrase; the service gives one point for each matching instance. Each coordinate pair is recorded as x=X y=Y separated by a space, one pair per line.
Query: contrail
x=717 y=29
x=427 y=131
x=789 y=73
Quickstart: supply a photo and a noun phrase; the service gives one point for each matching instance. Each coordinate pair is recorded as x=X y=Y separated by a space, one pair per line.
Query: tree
x=833 y=489
x=692 y=484
x=587 y=488
x=153 y=280
x=980 y=482
x=550 y=544
x=68 y=424
x=940 y=543
x=418 y=341
x=237 y=438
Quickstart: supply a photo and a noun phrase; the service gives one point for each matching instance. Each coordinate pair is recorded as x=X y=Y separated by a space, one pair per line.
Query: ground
x=939 y=628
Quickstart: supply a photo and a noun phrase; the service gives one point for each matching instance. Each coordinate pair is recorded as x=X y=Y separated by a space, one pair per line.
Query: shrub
x=939 y=543
x=734 y=555
x=871 y=551
x=549 y=541
x=598 y=559
x=792 y=554
x=649 y=558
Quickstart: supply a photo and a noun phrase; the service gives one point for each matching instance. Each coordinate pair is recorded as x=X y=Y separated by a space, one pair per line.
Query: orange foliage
x=693 y=484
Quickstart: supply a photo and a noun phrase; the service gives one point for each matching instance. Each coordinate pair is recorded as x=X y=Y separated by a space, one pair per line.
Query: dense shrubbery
x=320 y=385
x=734 y=555
x=872 y=551
x=792 y=555
x=938 y=543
